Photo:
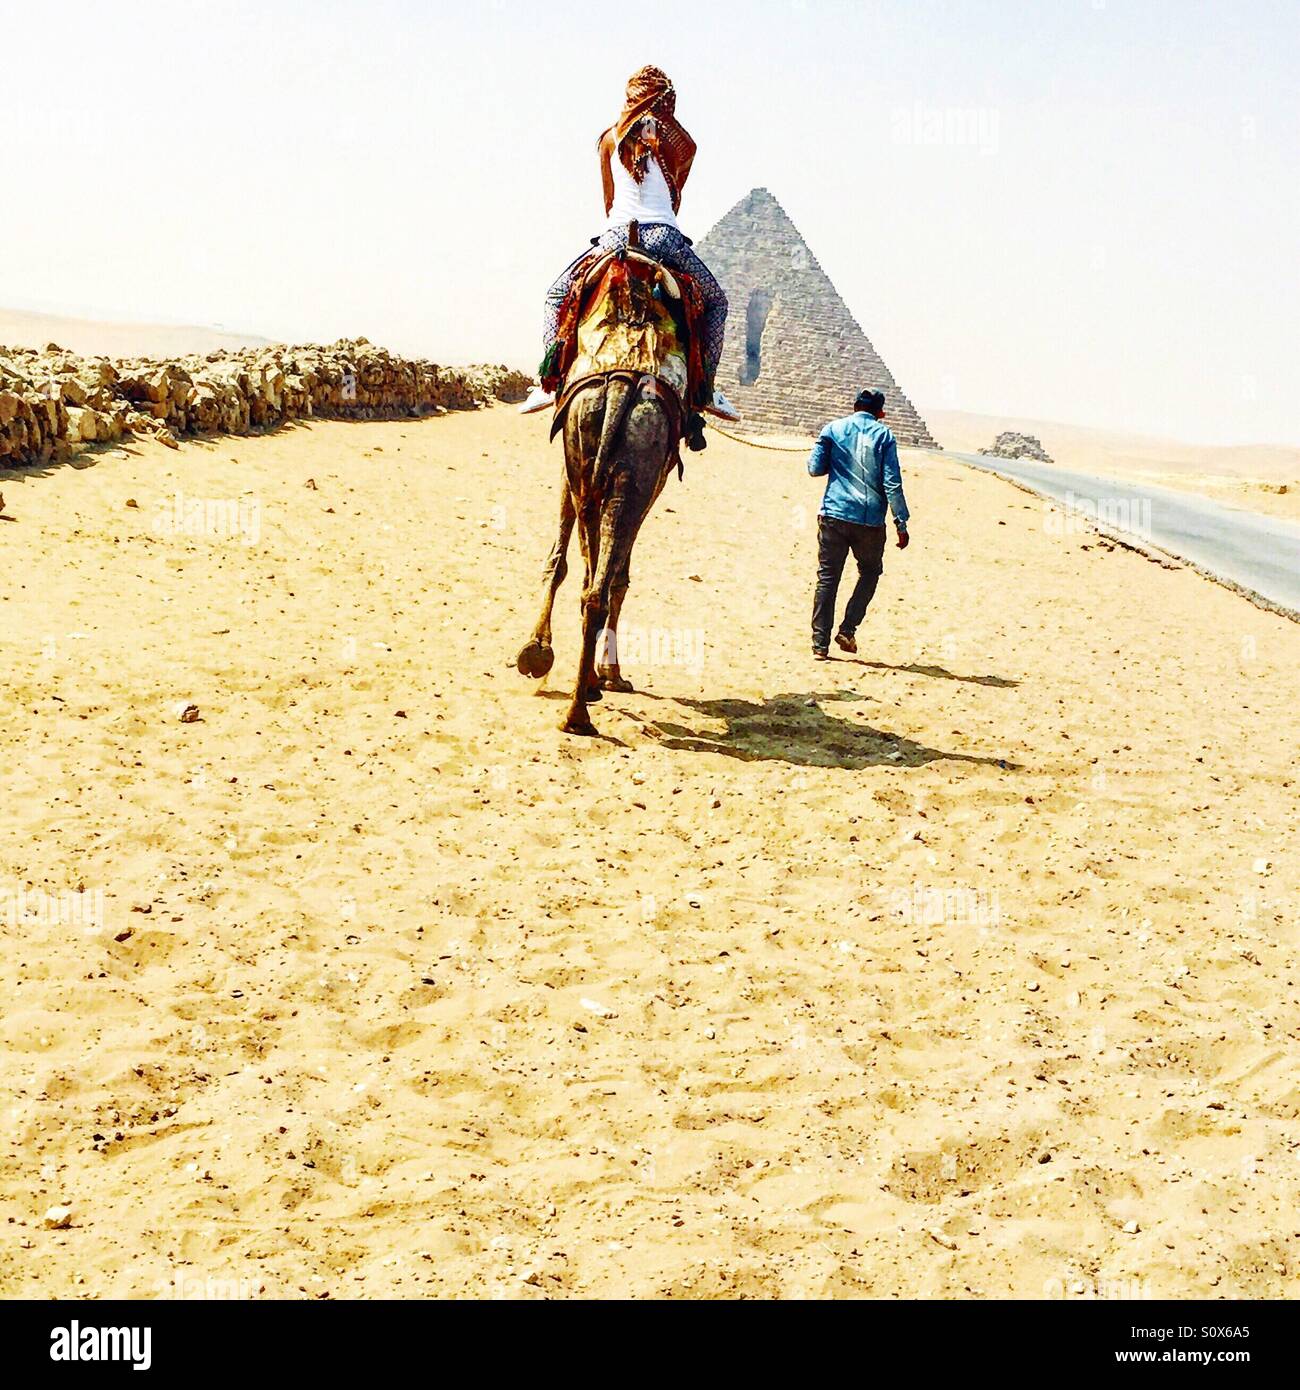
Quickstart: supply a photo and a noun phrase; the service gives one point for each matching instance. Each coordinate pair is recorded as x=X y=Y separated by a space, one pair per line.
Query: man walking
x=859 y=459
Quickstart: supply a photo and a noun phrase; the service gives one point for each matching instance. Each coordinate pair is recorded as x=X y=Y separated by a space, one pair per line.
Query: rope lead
x=754 y=444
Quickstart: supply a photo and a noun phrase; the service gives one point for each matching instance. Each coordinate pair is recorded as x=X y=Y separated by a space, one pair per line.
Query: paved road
x=1261 y=553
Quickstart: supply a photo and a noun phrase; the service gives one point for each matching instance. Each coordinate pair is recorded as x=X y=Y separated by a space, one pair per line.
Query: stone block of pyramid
x=795 y=356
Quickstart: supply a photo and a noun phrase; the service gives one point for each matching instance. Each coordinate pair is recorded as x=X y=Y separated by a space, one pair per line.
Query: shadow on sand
x=85 y=456
x=785 y=728
x=78 y=459
x=937 y=672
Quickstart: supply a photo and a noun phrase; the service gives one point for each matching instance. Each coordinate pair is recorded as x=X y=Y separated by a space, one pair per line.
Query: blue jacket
x=861 y=458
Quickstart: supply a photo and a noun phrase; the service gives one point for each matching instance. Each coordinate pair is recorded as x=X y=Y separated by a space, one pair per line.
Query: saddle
x=629 y=315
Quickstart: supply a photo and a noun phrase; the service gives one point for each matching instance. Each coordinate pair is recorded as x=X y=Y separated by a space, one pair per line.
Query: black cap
x=873 y=402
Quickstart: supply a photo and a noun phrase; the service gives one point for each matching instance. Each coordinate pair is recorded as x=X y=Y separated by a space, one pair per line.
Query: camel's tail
x=619 y=396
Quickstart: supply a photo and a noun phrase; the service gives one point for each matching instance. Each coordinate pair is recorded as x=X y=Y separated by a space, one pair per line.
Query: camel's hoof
x=535 y=660
x=610 y=681
x=579 y=724
x=593 y=696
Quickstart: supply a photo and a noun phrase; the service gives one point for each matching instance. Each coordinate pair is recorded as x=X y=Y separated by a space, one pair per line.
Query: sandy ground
x=1256 y=477
x=93 y=337
x=964 y=968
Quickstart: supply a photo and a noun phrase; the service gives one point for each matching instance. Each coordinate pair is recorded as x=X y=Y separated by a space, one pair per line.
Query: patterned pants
x=668 y=246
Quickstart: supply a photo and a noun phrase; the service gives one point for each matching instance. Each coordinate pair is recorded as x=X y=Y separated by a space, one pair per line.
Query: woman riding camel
x=645 y=158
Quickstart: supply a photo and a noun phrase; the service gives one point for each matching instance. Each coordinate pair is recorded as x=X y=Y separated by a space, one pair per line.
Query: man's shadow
x=785 y=728
x=938 y=672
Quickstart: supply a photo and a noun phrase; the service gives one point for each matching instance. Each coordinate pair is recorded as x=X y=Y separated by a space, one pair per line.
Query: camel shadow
x=785 y=728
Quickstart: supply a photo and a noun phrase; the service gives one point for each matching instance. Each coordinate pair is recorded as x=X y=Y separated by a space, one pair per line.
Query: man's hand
x=902 y=539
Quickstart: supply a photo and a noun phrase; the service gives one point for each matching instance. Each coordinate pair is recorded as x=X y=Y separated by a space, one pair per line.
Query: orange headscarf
x=649 y=93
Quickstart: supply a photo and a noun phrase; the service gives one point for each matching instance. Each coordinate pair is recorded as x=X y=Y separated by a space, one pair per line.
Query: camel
x=618 y=453
x=621 y=424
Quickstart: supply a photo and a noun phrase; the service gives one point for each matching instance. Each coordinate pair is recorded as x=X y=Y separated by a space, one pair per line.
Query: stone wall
x=814 y=356
x=51 y=400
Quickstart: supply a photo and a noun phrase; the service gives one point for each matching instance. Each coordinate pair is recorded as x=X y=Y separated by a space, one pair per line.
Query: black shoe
x=820 y=654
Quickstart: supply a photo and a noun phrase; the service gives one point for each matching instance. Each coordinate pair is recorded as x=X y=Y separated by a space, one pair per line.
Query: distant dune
x=91 y=337
x=1111 y=450
x=1261 y=477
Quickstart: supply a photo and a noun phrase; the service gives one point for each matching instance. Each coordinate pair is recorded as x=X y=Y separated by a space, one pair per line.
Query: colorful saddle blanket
x=628 y=313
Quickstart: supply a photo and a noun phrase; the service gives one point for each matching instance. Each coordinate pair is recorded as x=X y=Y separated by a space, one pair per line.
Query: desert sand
x=967 y=967
x=95 y=337
x=1256 y=477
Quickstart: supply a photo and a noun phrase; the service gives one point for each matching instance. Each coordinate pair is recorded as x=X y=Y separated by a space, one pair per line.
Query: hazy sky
x=1085 y=210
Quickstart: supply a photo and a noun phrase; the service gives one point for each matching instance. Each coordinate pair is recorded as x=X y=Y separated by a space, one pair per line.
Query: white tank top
x=647 y=201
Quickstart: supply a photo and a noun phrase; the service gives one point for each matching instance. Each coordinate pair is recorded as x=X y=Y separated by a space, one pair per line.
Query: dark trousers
x=835 y=539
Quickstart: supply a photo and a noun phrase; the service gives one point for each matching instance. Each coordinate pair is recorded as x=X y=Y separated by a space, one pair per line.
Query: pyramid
x=795 y=356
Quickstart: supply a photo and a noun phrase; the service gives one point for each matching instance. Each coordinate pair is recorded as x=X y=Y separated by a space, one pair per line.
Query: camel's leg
x=591 y=551
x=609 y=670
x=608 y=673
x=591 y=530
x=536 y=656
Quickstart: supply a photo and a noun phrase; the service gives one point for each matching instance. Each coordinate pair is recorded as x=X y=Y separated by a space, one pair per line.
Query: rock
x=187 y=714
x=51 y=398
x=57 y=1219
x=1010 y=445
x=82 y=427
